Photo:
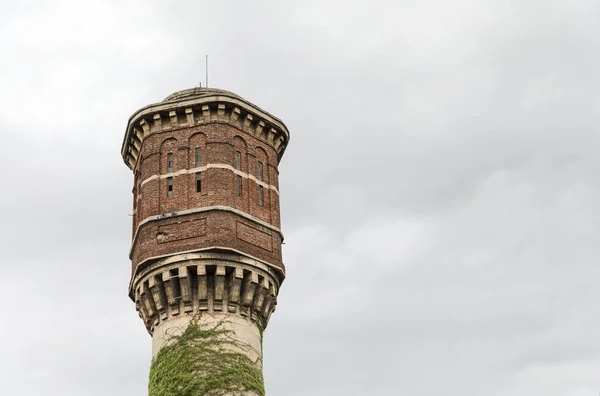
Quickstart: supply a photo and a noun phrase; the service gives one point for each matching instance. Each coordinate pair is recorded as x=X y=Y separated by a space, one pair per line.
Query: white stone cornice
x=215 y=253
x=240 y=287
x=202 y=106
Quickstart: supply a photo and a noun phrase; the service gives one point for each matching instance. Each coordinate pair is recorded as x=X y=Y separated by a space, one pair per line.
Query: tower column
x=206 y=245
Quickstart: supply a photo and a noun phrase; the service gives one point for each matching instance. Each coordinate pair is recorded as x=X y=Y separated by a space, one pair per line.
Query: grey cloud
x=438 y=194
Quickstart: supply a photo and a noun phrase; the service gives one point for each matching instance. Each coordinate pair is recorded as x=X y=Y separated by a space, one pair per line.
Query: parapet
x=195 y=106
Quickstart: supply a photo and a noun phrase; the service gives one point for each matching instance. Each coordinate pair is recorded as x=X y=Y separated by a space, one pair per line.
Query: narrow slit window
x=198 y=182
x=239 y=186
x=198 y=158
x=170 y=187
x=169 y=163
x=260 y=171
x=238 y=160
x=261 y=196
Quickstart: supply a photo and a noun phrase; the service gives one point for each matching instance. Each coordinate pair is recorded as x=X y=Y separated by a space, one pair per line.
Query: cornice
x=199 y=106
x=205 y=283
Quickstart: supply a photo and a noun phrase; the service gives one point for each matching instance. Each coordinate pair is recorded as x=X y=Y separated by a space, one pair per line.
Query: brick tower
x=206 y=245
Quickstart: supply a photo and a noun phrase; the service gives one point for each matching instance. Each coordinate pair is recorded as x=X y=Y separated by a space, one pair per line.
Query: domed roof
x=198 y=93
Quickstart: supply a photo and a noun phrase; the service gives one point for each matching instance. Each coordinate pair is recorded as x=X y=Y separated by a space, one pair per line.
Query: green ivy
x=203 y=361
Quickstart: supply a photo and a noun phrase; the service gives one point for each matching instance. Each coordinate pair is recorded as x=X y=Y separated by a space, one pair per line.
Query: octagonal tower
x=206 y=244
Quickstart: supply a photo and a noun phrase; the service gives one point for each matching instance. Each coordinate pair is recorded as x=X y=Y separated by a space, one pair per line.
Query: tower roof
x=198 y=92
x=191 y=101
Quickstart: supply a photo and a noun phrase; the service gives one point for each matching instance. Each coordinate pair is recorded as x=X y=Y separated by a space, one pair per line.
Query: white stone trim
x=172 y=260
x=149 y=119
x=197 y=254
x=207 y=209
x=211 y=166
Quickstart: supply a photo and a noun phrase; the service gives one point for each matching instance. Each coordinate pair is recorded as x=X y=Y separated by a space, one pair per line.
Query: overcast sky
x=439 y=194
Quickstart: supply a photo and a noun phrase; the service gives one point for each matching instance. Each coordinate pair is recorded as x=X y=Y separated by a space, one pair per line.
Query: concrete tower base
x=246 y=334
x=217 y=291
x=244 y=331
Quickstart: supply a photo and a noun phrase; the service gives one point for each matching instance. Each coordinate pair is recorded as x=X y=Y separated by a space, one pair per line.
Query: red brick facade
x=205 y=180
x=233 y=151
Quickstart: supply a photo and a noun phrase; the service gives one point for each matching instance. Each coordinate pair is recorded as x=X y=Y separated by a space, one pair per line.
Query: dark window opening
x=170 y=187
x=198 y=182
x=261 y=196
x=198 y=158
x=169 y=163
x=239 y=185
x=260 y=171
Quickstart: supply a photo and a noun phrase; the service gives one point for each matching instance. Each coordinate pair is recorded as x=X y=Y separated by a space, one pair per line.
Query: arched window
x=262 y=165
x=197 y=144
x=238 y=160
x=198 y=158
x=259 y=171
x=169 y=162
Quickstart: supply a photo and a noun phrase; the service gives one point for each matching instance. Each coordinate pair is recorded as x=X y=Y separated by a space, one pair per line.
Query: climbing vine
x=203 y=361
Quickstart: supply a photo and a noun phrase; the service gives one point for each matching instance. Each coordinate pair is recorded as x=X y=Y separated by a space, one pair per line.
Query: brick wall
x=218 y=142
